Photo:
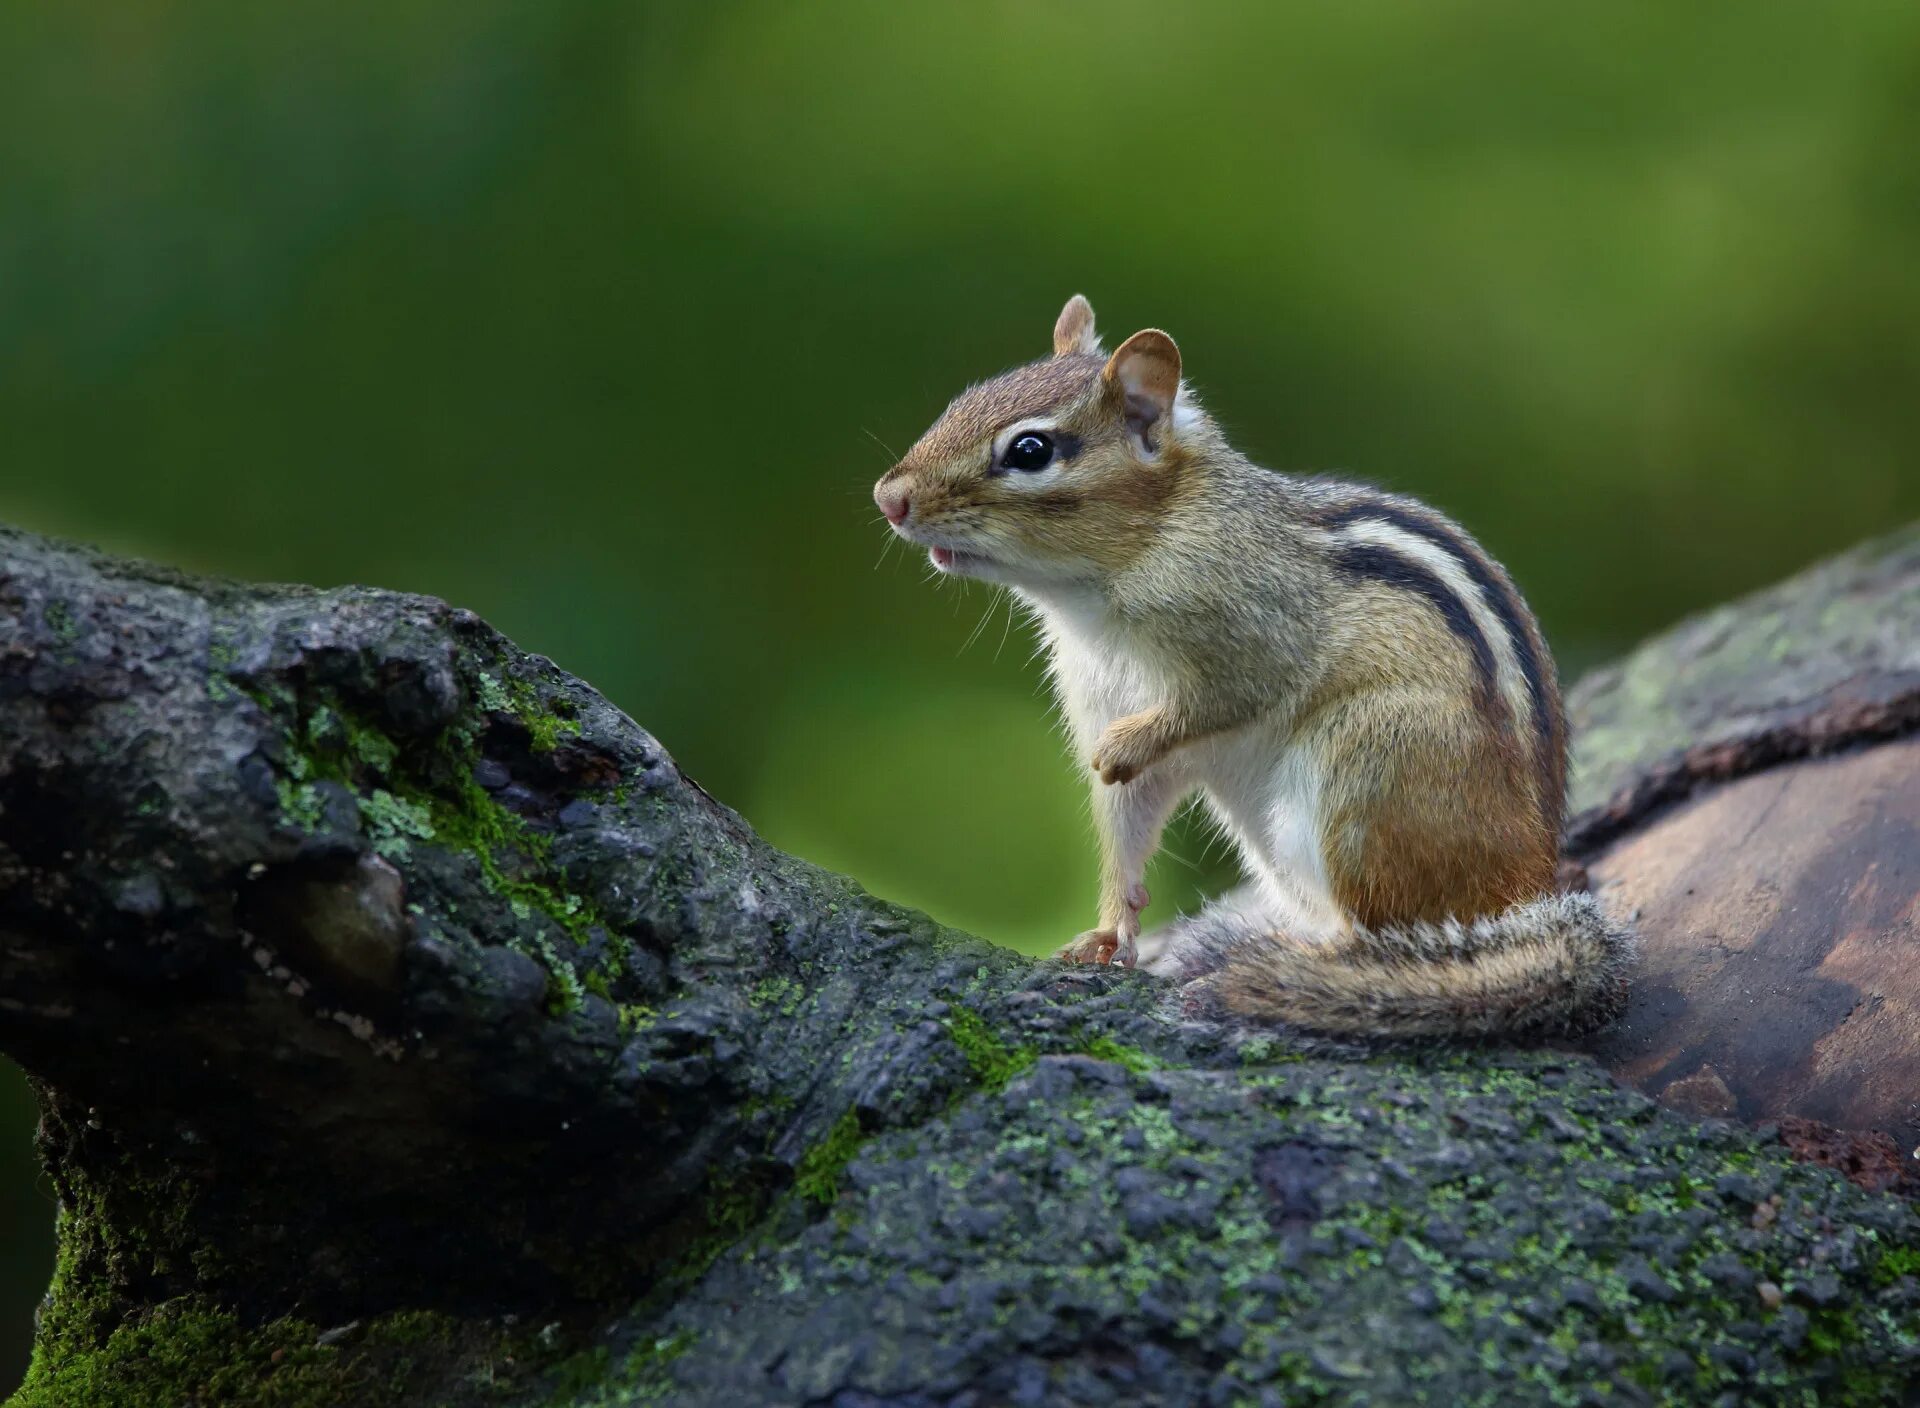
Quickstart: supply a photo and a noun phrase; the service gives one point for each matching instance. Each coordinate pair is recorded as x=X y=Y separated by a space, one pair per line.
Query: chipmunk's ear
x=1073 y=329
x=1145 y=375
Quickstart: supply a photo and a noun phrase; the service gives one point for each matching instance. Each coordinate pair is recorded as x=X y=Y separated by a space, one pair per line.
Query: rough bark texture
x=1752 y=785
x=411 y=1030
x=1825 y=661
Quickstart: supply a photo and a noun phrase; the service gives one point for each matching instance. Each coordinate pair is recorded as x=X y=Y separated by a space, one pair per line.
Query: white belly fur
x=1266 y=790
x=1270 y=808
x=1096 y=682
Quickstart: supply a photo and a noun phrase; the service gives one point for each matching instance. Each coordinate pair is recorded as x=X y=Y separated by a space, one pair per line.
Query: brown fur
x=974 y=416
x=1430 y=812
x=1548 y=761
x=1073 y=329
x=1110 y=513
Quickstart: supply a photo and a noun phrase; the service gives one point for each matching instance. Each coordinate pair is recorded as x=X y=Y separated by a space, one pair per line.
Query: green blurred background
x=597 y=318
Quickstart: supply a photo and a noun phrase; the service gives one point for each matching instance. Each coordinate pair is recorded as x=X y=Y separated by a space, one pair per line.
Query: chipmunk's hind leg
x=1197 y=944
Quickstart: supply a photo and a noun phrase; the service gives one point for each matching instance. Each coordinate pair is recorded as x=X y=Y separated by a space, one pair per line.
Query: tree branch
x=410 y=1029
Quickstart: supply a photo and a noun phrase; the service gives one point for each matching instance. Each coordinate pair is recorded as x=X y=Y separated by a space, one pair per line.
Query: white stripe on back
x=1453 y=575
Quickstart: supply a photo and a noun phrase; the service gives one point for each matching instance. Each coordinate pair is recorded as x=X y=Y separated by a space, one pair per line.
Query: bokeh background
x=601 y=319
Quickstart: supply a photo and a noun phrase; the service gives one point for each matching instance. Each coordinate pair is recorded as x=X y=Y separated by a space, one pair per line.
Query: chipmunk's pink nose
x=893 y=503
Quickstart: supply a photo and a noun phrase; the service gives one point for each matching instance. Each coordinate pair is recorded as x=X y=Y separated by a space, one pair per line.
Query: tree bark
x=410 y=1029
x=1751 y=783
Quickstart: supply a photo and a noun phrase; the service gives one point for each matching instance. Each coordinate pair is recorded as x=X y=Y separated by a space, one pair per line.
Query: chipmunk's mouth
x=957 y=563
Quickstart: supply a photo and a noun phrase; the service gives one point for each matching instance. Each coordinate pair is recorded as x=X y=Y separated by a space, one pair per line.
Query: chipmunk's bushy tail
x=1551 y=966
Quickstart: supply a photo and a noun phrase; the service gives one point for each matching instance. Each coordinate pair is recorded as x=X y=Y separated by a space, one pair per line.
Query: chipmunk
x=1351 y=682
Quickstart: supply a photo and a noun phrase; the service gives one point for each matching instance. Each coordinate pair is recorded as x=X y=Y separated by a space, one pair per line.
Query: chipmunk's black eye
x=1029 y=451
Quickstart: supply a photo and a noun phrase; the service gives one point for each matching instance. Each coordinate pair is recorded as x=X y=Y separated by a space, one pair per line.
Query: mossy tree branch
x=410 y=1029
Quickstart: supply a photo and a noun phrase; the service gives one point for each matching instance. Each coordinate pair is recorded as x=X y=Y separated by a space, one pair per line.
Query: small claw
x=1094 y=946
x=1104 y=946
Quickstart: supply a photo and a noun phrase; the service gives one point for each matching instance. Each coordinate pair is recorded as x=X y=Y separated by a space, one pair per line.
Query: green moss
x=730 y=1209
x=781 y=993
x=426 y=794
x=101 y=1345
x=413 y=1327
x=544 y=723
x=182 y=1353
x=594 y=1379
x=818 y=1177
x=1894 y=1263
x=994 y=1063
x=1470 y=1301
x=544 y=731
x=1384 y=1215
x=331 y=732
x=644 y=1377
x=574 y=1377
x=92 y=1352
x=189 y=1351
x=1103 y=1048
x=464 y=817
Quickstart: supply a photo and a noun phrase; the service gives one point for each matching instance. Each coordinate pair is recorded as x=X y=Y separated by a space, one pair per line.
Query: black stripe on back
x=1499 y=598
x=1385 y=565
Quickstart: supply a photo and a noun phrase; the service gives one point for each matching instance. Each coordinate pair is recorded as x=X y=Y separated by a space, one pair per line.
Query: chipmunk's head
x=1053 y=473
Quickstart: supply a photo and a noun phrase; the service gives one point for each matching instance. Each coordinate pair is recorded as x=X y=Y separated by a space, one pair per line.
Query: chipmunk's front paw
x=1128 y=748
x=1101 y=946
